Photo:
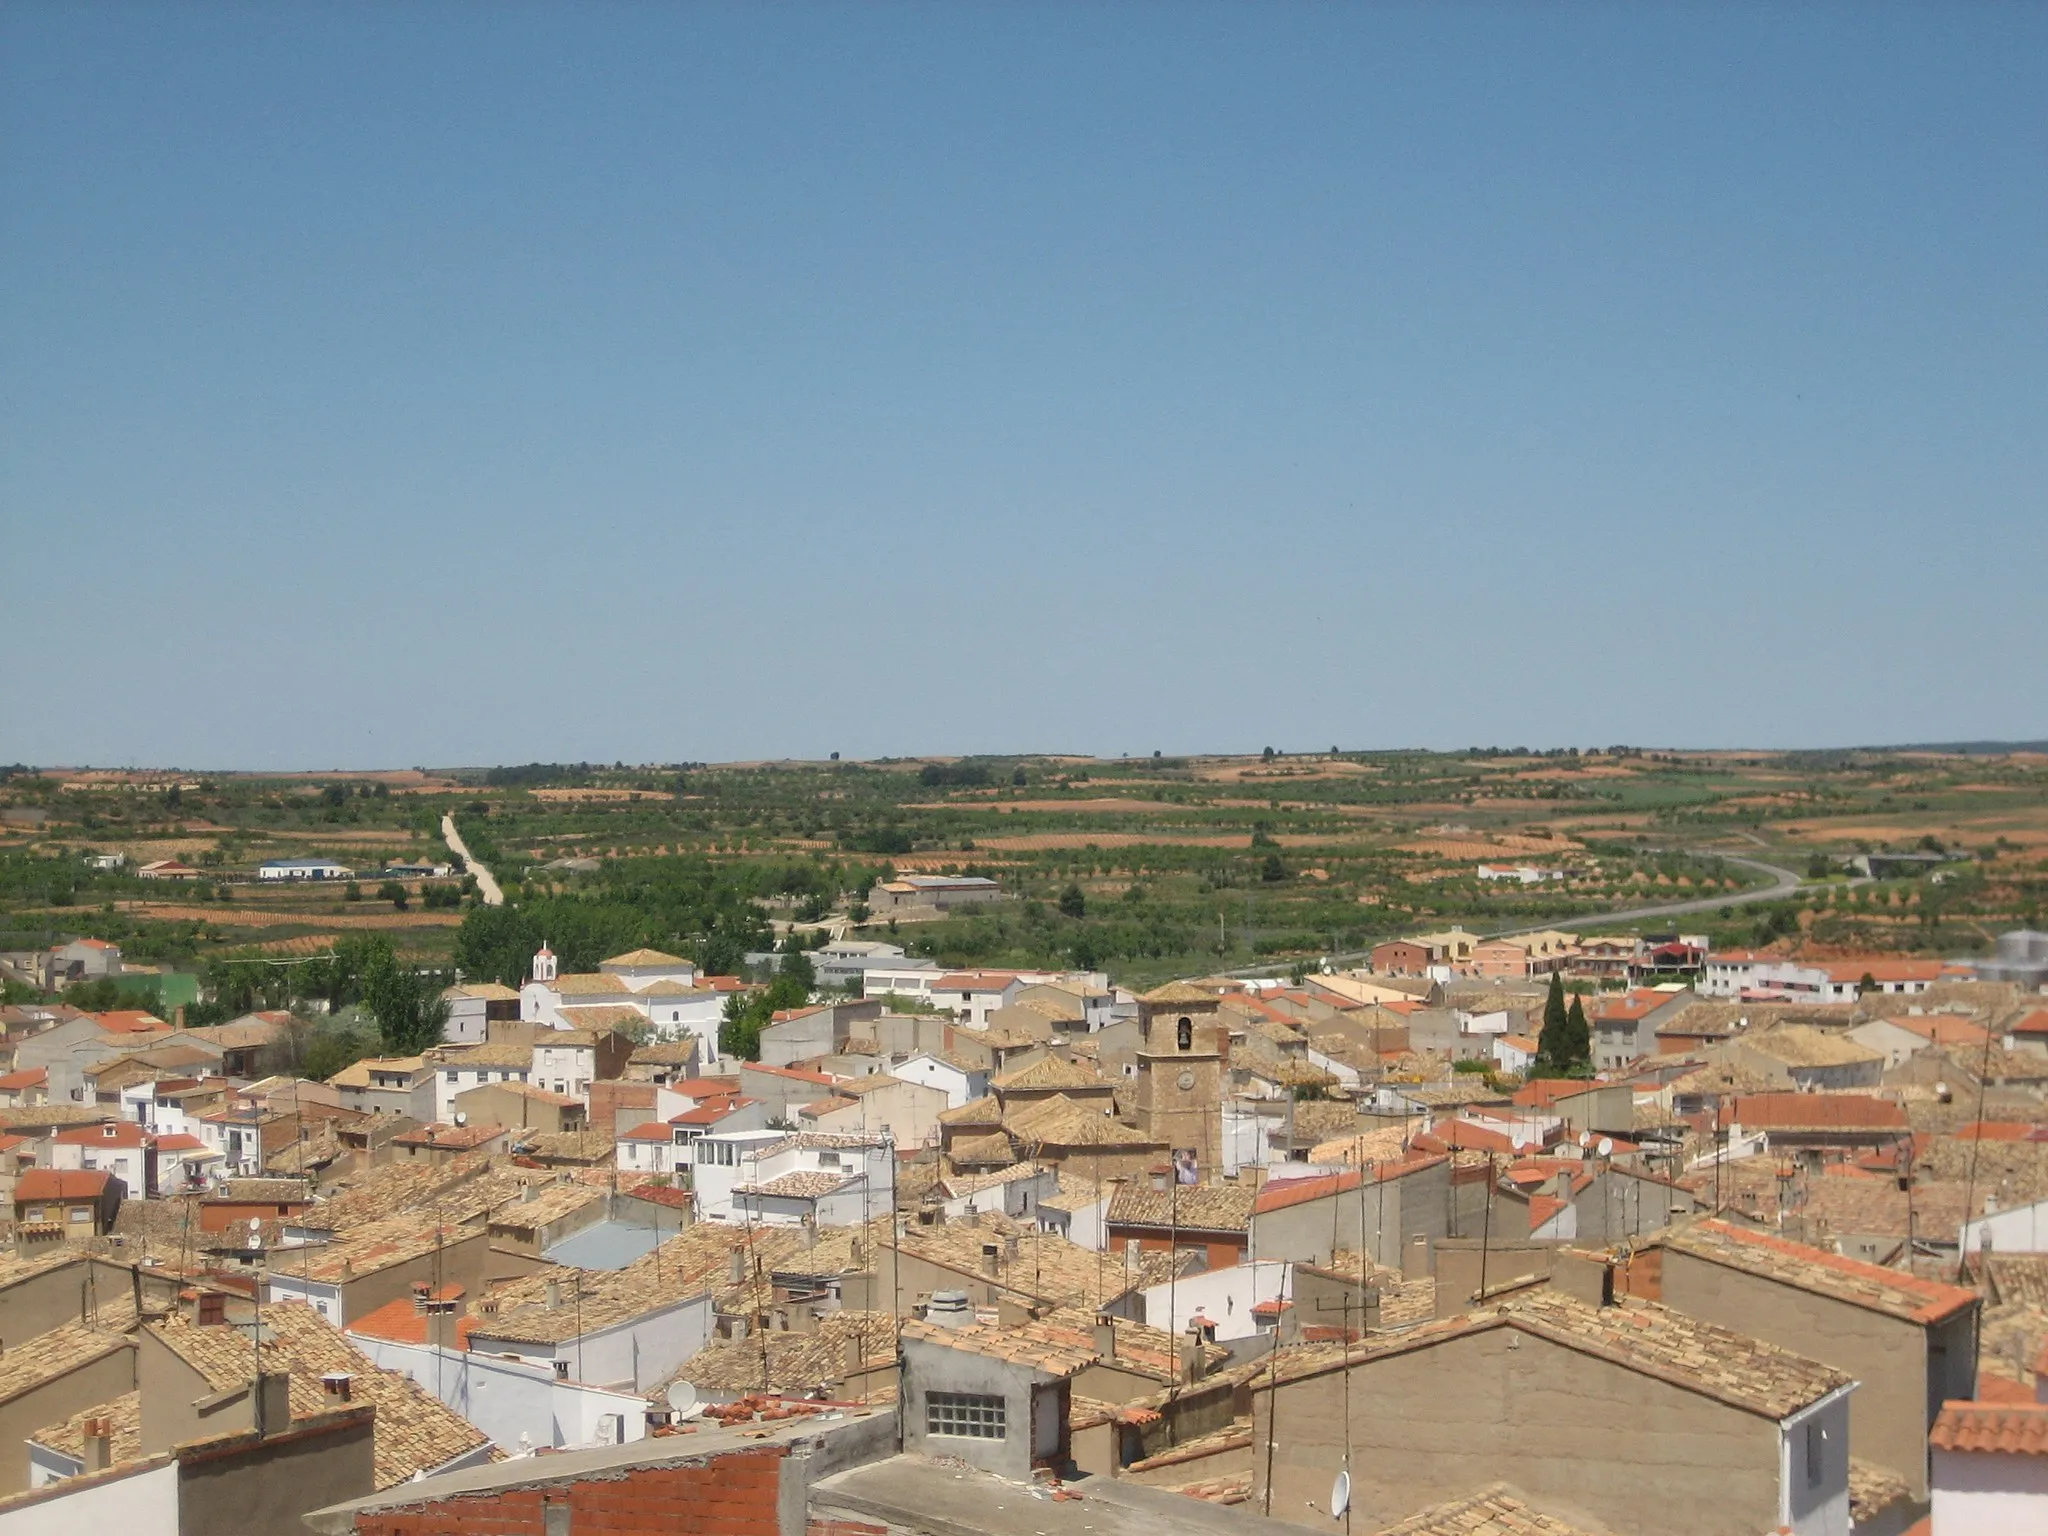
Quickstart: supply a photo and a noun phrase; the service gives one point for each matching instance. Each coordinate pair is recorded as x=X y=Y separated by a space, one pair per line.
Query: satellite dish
x=682 y=1400
x=1340 y=1495
x=461 y=1119
x=1606 y=1147
x=1585 y=1138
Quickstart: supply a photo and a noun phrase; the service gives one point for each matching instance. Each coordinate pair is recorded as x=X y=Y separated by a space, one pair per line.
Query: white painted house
x=303 y=869
x=780 y=1178
x=962 y=1081
x=1990 y=1469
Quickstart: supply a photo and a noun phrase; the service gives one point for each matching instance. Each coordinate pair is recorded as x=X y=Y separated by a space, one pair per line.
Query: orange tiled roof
x=2012 y=1429
x=1829 y=1274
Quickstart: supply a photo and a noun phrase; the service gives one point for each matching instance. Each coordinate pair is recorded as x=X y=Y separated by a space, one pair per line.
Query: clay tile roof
x=982 y=1111
x=796 y=1362
x=1051 y=1073
x=1280 y=1194
x=983 y=1151
x=60 y=1351
x=1196 y=1208
x=60 y=1184
x=1801 y=1045
x=1493 y=1511
x=642 y=958
x=124 y=1416
x=1871 y=1286
x=413 y=1431
x=796 y=1186
x=1816 y=1112
x=1641 y=1336
x=2012 y=1429
x=1039 y=1345
x=445 y=1056
x=1175 y=992
x=1060 y=1122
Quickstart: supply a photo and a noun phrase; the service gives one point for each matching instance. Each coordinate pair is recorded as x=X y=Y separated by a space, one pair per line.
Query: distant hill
x=1966 y=748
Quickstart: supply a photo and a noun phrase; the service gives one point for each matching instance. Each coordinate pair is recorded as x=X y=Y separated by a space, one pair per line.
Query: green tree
x=1579 y=1041
x=392 y=892
x=1553 y=1046
x=354 y=892
x=407 y=1004
x=1273 y=869
x=1073 y=902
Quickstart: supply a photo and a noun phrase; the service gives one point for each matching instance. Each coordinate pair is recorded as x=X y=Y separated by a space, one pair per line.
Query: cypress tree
x=1579 y=1037
x=1553 y=1048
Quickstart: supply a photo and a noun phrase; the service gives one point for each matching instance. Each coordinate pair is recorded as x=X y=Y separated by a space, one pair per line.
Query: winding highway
x=1783 y=883
x=486 y=882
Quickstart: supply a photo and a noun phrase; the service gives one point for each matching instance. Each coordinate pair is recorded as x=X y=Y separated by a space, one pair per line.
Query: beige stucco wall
x=1888 y=1415
x=90 y=1385
x=1591 y=1442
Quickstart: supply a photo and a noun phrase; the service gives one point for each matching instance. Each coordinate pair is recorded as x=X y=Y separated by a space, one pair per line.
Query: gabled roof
x=1038 y=1345
x=1870 y=1286
x=1641 y=1336
x=1493 y=1511
x=413 y=1432
x=643 y=959
x=1050 y=1074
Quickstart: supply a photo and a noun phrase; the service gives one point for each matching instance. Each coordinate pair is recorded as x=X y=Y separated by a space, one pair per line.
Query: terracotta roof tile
x=1889 y=1291
x=413 y=1432
x=1493 y=1511
x=2012 y=1429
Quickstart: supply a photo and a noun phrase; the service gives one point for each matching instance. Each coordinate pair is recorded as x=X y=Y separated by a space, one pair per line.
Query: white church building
x=661 y=988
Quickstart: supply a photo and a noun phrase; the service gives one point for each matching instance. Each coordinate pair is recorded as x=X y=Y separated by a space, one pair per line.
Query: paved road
x=486 y=882
x=1783 y=883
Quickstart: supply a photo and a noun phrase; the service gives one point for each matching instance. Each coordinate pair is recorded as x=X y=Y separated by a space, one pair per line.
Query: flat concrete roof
x=913 y=1493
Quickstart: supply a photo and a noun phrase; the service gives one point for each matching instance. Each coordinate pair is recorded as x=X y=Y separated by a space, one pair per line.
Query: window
x=1184 y=1034
x=561 y=1369
x=80 y=1213
x=1816 y=1453
x=968 y=1414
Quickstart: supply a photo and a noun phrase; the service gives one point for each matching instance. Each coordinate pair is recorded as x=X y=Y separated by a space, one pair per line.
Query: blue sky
x=415 y=384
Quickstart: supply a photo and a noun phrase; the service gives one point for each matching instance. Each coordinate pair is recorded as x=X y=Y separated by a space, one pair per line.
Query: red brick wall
x=732 y=1495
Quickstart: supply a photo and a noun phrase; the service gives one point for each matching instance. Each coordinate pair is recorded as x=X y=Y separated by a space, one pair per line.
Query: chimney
x=99 y=1441
x=273 y=1402
x=738 y=1265
x=973 y=1216
x=810 y=1226
x=1011 y=1313
x=1010 y=1246
x=337 y=1387
x=441 y=1325
x=1105 y=1337
x=949 y=1309
x=1191 y=1349
x=991 y=1259
x=554 y=1295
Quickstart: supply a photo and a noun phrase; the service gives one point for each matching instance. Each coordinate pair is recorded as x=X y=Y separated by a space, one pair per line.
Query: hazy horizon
x=556 y=383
